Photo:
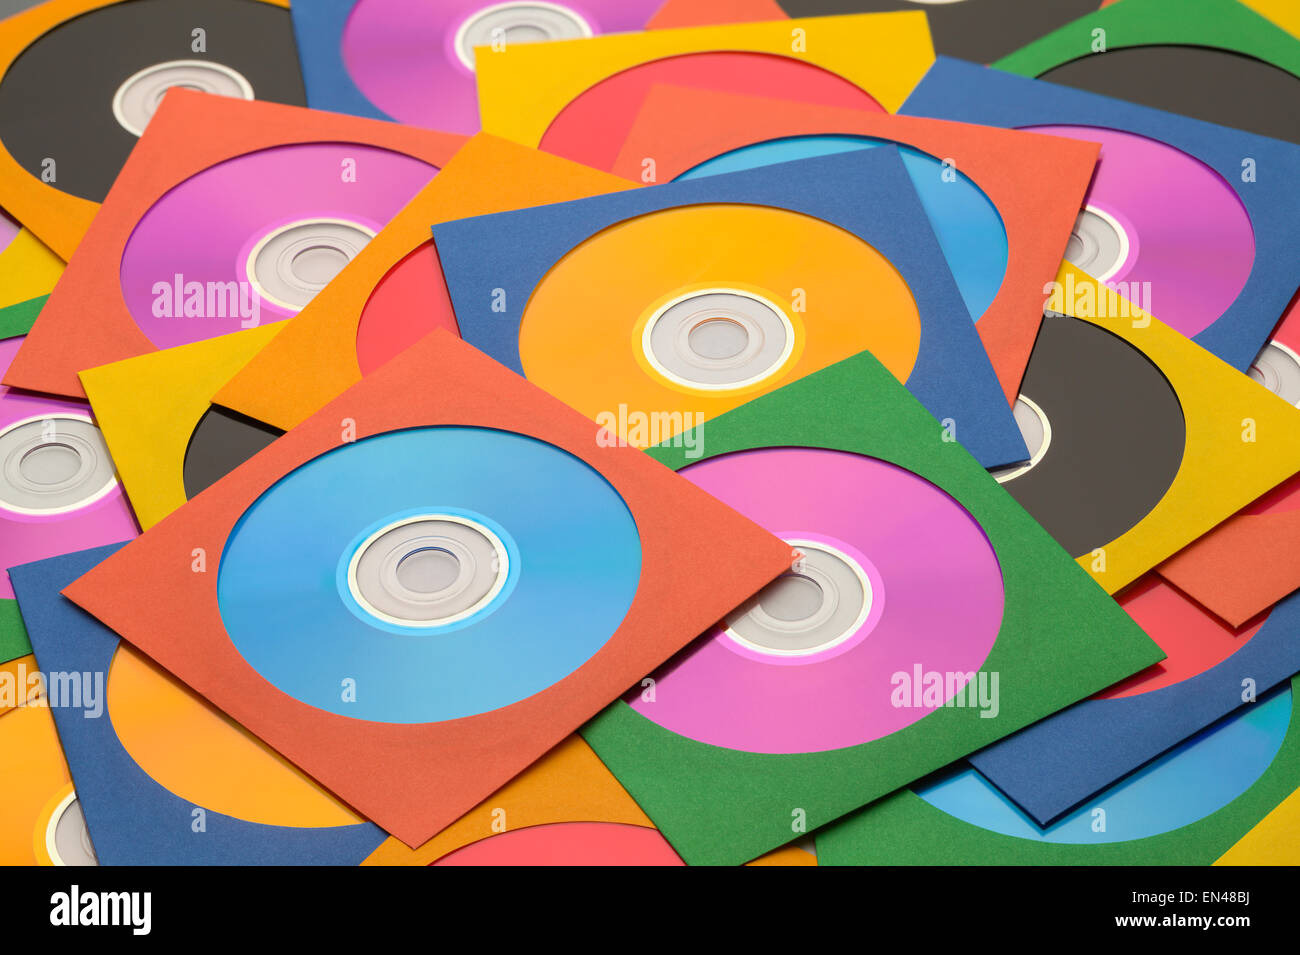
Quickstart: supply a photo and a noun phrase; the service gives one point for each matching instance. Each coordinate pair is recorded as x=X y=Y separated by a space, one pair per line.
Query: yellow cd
x=677 y=316
x=199 y=754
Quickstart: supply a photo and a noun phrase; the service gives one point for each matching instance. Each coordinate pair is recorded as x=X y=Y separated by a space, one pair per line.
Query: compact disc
x=1194 y=641
x=966 y=222
x=1219 y=86
x=978 y=30
x=79 y=94
x=252 y=240
x=1196 y=778
x=1116 y=435
x=200 y=755
x=221 y=442
x=569 y=843
x=1277 y=368
x=429 y=574
x=896 y=577
x=415 y=61
x=409 y=302
x=36 y=783
x=1183 y=251
x=592 y=128
x=66 y=839
x=726 y=302
x=58 y=489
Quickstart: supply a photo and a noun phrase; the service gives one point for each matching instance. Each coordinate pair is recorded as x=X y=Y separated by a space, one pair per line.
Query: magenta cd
x=1157 y=218
x=229 y=214
x=413 y=60
x=806 y=665
x=1196 y=224
x=280 y=223
x=58 y=489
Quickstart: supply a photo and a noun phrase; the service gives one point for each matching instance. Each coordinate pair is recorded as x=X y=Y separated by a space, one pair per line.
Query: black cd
x=1218 y=86
x=1114 y=435
x=72 y=94
x=979 y=30
x=9 y=7
x=221 y=442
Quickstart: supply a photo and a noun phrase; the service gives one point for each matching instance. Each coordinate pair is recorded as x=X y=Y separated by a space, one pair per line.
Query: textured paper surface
x=963 y=91
x=905 y=830
x=720 y=806
x=60 y=219
x=86 y=323
x=867 y=193
x=523 y=89
x=699 y=560
x=132 y=819
x=1221 y=471
x=147 y=437
x=315 y=357
x=1036 y=182
x=1057 y=763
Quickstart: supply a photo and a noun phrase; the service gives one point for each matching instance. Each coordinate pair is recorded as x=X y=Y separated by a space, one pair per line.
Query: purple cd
x=898 y=582
x=1161 y=228
x=251 y=240
x=58 y=492
x=414 y=58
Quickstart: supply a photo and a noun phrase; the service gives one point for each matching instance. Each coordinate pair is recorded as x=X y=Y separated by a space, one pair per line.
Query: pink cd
x=933 y=600
x=58 y=493
x=1166 y=221
x=252 y=239
x=412 y=58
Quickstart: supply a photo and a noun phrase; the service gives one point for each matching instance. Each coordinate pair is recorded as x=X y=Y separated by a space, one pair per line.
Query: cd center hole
x=526 y=33
x=162 y=91
x=1095 y=245
x=428 y=570
x=50 y=463
x=792 y=597
x=718 y=338
x=319 y=263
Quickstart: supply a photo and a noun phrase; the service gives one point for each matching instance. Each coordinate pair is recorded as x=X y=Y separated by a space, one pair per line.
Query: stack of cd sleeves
x=452 y=432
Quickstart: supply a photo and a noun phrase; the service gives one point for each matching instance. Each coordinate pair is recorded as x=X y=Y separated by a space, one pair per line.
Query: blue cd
x=966 y=222
x=1194 y=779
x=429 y=574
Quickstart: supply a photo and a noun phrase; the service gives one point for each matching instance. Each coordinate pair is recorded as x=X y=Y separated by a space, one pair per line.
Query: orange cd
x=37 y=793
x=748 y=279
x=654 y=310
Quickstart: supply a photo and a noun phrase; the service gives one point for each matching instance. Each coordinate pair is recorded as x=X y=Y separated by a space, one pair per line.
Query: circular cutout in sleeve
x=1117 y=435
x=589 y=333
x=592 y=128
x=569 y=843
x=251 y=240
x=414 y=59
x=966 y=222
x=905 y=586
x=58 y=488
x=286 y=600
x=409 y=302
x=1196 y=778
x=1218 y=86
x=221 y=442
x=57 y=98
x=1183 y=251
